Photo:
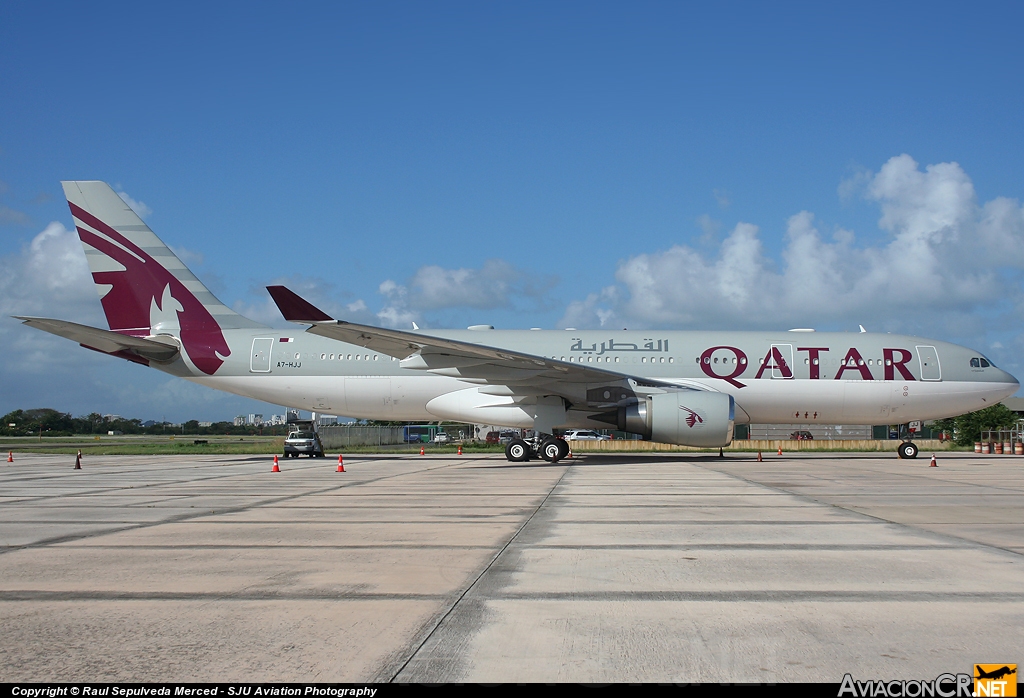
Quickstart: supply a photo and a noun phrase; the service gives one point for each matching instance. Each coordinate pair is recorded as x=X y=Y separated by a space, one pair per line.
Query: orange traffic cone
x=10 y=456
x=341 y=464
x=780 y=450
x=460 y=450
x=275 y=469
x=422 y=452
x=78 y=461
x=933 y=464
x=759 y=458
x=570 y=452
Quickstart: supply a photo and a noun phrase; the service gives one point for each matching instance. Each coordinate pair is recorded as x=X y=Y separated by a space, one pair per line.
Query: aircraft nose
x=1009 y=379
x=1008 y=385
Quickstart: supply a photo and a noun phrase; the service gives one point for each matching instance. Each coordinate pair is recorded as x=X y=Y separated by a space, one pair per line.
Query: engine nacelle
x=687 y=418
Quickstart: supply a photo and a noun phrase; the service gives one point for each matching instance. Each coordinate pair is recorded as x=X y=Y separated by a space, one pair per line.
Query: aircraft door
x=930 y=368
x=784 y=368
x=259 y=359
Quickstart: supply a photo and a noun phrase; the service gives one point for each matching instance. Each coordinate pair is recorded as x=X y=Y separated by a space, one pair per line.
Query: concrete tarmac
x=607 y=568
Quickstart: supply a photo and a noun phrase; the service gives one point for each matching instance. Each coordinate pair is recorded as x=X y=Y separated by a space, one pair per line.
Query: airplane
x=677 y=387
x=994 y=674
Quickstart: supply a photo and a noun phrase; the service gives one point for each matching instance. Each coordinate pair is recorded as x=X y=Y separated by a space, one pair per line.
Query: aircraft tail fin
x=140 y=281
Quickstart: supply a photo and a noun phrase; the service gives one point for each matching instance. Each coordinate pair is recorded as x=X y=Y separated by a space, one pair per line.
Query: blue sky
x=547 y=164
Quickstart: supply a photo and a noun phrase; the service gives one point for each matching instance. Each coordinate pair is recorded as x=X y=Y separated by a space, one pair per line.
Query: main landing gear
x=546 y=446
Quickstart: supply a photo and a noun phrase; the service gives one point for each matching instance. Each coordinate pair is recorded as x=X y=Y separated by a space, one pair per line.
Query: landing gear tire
x=907 y=450
x=563 y=448
x=551 y=451
x=517 y=451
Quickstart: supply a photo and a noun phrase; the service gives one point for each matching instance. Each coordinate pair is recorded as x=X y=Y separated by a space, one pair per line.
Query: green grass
x=144 y=445
x=219 y=445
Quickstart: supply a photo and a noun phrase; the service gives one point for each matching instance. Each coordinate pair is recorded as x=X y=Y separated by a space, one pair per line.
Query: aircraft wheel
x=907 y=450
x=517 y=451
x=563 y=448
x=551 y=451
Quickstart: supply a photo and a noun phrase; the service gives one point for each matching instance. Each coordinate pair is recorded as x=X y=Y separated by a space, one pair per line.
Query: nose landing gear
x=907 y=449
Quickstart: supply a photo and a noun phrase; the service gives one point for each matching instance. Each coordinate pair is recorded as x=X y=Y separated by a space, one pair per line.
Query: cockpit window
x=975 y=362
x=985 y=363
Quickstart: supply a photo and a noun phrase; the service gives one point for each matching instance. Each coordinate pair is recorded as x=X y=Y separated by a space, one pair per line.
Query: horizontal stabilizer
x=104 y=340
x=294 y=308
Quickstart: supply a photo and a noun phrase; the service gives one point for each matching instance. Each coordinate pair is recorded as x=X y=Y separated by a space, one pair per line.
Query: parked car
x=493 y=437
x=299 y=442
x=802 y=436
x=584 y=435
x=441 y=438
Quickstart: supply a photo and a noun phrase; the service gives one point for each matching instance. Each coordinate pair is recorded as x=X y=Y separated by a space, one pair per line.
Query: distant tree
x=966 y=429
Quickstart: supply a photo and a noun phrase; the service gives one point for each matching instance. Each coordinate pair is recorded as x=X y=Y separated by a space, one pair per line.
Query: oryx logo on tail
x=145 y=297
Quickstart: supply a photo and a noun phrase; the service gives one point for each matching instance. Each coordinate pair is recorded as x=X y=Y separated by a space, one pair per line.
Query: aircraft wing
x=104 y=340
x=518 y=373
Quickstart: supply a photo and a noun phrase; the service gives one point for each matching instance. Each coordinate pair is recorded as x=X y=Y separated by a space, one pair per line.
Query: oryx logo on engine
x=692 y=418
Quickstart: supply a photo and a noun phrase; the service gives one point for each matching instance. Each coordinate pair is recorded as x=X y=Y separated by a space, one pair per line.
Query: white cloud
x=9 y=215
x=187 y=256
x=710 y=227
x=497 y=284
x=49 y=276
x=139 y=207
x=946 y=258
x=396 y=313
x=855 y=184
x=488 y=287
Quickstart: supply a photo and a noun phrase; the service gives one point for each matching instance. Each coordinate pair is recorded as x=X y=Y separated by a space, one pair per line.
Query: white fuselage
x=828 y=378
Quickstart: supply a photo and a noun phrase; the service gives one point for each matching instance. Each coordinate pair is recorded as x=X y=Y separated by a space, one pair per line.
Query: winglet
x=295 y=308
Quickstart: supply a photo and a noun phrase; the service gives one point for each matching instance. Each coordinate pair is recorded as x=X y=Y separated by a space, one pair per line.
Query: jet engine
x=685 y=417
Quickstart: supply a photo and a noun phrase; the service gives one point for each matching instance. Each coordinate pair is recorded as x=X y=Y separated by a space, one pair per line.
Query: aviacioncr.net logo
x=943 y=686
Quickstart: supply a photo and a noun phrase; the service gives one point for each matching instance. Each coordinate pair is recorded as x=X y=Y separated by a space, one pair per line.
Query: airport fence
x=342 y=435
